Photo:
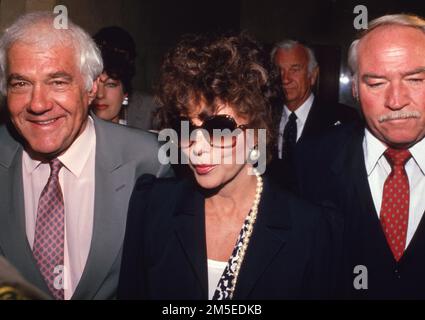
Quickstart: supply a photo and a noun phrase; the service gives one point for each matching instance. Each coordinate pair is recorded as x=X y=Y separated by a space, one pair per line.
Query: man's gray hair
x=38 y=28
x=393 y=19
x=290 y=44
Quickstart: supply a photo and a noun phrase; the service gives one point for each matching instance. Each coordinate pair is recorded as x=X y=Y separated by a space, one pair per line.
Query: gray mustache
x=399 y=115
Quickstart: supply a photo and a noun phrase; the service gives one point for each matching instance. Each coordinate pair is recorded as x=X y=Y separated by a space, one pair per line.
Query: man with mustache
x=373 y=177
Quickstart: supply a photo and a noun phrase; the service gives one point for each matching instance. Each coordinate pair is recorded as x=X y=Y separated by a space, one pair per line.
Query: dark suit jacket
x=165 y=247
x=321 y=118
x=122 y=155
x=331 y=171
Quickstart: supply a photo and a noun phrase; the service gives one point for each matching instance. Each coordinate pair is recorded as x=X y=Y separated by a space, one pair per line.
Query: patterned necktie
x=48 y=247
x=289 y=136
x=395 y=202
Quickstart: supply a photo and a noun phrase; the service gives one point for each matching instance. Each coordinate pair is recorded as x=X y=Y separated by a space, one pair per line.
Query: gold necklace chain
x=251 y=221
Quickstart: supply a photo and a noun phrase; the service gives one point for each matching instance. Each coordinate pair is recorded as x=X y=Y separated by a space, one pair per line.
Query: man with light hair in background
x=65 y=175
x=302 y=115
x=373 y=177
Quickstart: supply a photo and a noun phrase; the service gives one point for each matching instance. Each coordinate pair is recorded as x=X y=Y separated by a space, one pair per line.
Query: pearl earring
x=254 y=155
x=125 y=101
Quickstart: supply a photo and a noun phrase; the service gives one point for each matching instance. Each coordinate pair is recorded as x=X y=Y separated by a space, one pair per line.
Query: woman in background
x=114 y=87
x=227 y=233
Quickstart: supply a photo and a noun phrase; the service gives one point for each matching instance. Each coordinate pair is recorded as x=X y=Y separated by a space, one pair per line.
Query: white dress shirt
x=77 y=181
x=378 y=169
x=215 y=271
x=301 y=113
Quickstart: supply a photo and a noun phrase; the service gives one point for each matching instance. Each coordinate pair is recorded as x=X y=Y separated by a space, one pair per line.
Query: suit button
x=397 y=273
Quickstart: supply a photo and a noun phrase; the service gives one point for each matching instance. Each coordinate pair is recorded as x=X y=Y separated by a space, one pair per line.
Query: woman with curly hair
x=228 y=233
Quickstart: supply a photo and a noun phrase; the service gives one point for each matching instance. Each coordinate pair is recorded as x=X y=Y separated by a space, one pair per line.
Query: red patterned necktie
x=395 y=202
x=49 y=240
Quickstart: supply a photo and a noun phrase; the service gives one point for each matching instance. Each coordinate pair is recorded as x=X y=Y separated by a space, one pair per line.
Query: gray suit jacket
x=14 y=287
x=122 y=155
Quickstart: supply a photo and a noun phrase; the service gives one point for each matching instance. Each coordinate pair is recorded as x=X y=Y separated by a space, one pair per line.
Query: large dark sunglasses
x=219 y=130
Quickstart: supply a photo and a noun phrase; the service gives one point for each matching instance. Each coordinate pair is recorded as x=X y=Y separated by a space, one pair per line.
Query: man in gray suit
x=65 y=176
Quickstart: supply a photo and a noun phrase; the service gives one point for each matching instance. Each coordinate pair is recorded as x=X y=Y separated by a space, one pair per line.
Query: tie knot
x=397 y=157
x=293 y=117
x=55 y=166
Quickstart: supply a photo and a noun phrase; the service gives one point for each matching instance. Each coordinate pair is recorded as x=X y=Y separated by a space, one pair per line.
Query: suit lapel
x=190 y=230
x=271 y=232
x=349 y=165
x=366 y=219
x=417 y=244
x=13 y=239
x=314 y=120
x=360 y=179
x=112 y=192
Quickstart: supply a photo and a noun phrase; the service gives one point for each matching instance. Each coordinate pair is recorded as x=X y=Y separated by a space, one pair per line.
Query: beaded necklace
x=250 y=227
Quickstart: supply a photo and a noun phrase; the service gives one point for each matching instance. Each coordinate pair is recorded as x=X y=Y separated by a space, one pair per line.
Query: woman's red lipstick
x=204 y=169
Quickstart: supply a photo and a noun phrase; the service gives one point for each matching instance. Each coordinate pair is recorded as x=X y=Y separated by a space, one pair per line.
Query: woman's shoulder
x=151 y=183
x=298 y=210
x=162 y=192
x=154 y=200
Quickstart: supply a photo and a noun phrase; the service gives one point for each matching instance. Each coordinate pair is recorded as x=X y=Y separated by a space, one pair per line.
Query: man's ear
x=93 y=91
x=354 y=89
x=314 y=75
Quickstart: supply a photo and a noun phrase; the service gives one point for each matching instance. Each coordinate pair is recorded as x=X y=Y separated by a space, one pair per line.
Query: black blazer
x=331 y=171
x=165 y=247
x=321 y=118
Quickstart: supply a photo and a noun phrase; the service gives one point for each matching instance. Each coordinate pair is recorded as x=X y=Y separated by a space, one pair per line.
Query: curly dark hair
x=231 y=69
x=118 y=53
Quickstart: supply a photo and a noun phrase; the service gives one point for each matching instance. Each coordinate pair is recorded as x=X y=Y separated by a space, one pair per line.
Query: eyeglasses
x=220 y=131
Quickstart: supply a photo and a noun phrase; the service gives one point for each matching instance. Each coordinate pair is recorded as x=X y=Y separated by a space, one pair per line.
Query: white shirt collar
x=75 y=158
x=301 y=112
x=418 y=153
x=374 y=149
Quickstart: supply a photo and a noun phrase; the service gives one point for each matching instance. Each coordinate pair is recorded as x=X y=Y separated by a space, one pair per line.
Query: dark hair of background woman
x=119 y=53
